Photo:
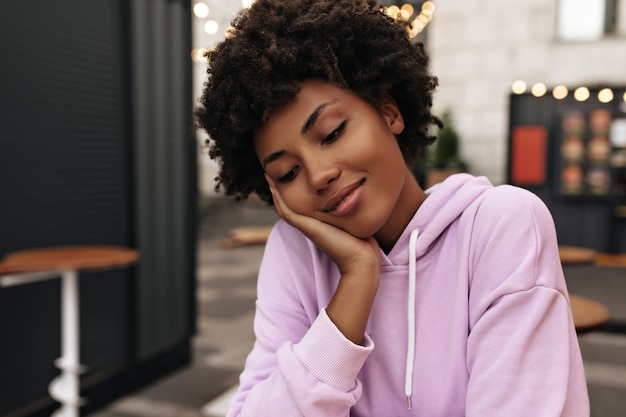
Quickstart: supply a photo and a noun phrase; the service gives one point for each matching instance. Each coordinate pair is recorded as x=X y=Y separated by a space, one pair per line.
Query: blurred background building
x=481 y=50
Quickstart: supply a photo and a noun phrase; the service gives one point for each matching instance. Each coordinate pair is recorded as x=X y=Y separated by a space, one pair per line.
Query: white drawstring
x=410 y=354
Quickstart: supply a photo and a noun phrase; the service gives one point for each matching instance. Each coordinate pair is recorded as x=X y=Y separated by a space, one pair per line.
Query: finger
x=274 y=192
x=269 y=181
x=279 y=204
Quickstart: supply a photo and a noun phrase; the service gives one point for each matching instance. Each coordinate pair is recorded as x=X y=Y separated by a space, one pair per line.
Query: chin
x=362 y=231
x=359 y=227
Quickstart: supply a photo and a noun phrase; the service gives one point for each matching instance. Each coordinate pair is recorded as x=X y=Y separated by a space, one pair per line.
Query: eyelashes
x=330 y=138
x=334 y=135
x=289 y=175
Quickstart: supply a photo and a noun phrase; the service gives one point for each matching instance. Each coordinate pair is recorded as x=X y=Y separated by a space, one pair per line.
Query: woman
x=375 y=297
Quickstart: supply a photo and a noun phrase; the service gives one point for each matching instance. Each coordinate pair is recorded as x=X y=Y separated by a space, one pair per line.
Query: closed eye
x=289 y=175
x=334 y=135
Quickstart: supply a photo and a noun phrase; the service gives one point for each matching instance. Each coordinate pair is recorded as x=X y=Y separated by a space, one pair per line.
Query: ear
x=392 y=116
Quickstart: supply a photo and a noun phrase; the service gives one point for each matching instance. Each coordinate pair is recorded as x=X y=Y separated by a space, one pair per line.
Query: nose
x=321 y=174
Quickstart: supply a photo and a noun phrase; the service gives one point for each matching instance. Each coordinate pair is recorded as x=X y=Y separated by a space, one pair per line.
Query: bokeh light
x=201 y=10
x=211 y=27
x=539 y=89
x=605 y=95
x=581 y=93
x=560 y=92
x=519 y=87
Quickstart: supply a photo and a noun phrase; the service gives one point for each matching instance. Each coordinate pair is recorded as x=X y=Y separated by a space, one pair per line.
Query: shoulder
x=510 y=196
x=512 y=222
x=511 y=204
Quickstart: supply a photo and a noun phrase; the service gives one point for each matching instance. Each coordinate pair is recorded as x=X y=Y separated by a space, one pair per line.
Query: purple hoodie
x=472 y=318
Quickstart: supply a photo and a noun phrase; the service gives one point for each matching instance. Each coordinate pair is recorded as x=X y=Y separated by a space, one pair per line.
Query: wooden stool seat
x=27 y=266
x=573 y=255
x=588 y=315
x=77 y=258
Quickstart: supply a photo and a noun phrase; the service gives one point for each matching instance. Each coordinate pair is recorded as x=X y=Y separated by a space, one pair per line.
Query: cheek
x=296 y=198
x=382 y=152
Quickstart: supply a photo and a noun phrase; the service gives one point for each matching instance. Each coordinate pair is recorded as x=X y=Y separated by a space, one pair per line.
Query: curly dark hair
x=276 y=44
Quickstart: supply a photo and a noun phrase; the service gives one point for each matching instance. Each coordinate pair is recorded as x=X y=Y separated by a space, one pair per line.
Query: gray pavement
x=226 y=293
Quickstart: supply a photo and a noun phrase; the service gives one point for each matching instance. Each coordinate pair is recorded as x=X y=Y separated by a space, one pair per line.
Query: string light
x=393 y=11
x=429 y=6
x=201 y=10
x=407 y=11
x=539 y=90
x=211 y=27
x=605 y=95
x=247 y=3
x=519 y=87
x=198 y=54
x=423 y=19
x=560 y=92
x=581 y=93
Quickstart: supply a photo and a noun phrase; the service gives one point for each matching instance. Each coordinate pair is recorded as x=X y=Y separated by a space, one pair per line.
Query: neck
x=410 y=199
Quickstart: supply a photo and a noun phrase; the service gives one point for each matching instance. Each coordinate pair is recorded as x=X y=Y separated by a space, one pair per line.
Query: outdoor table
x=588 y=315
x=573 y=255
x=35 y=265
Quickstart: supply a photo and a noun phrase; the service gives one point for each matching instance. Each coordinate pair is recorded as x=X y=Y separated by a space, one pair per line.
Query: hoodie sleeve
x=298 y=366
x=523 y=356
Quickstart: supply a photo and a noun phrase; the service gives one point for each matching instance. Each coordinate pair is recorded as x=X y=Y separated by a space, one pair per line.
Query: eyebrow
x=273 y=157
x=314 y=116
x=310 y=121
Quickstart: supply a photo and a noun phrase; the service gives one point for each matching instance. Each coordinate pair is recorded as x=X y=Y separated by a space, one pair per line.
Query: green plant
x=444 y=154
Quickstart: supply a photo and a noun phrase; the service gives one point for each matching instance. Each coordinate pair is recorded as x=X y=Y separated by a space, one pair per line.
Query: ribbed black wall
x=64 y=179
x=64 y=143
x=93 y=151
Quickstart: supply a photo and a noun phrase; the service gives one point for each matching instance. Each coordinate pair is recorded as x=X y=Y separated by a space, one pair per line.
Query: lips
x=345 y=199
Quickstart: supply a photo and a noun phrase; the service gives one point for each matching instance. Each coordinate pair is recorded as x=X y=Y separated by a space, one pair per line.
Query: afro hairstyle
x=275 y=45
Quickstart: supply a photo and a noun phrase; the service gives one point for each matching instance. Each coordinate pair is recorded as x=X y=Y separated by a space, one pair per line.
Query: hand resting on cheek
x=358 y=261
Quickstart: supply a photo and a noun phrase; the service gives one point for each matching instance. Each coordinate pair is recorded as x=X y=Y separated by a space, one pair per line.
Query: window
x=585 y=20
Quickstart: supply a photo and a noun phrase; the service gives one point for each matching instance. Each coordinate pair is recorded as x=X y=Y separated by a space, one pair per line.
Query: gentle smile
x=344 y=200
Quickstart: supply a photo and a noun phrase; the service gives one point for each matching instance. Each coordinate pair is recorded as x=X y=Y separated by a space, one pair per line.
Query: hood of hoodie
x=445 y=203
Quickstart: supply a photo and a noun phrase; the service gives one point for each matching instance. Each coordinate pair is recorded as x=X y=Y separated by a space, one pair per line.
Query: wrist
x=350 y=307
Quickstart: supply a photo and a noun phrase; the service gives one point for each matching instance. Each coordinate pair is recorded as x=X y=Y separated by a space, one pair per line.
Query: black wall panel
x=64 y=180
x=69 y=175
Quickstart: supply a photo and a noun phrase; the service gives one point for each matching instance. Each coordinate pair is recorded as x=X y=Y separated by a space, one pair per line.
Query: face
x=334 y=157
